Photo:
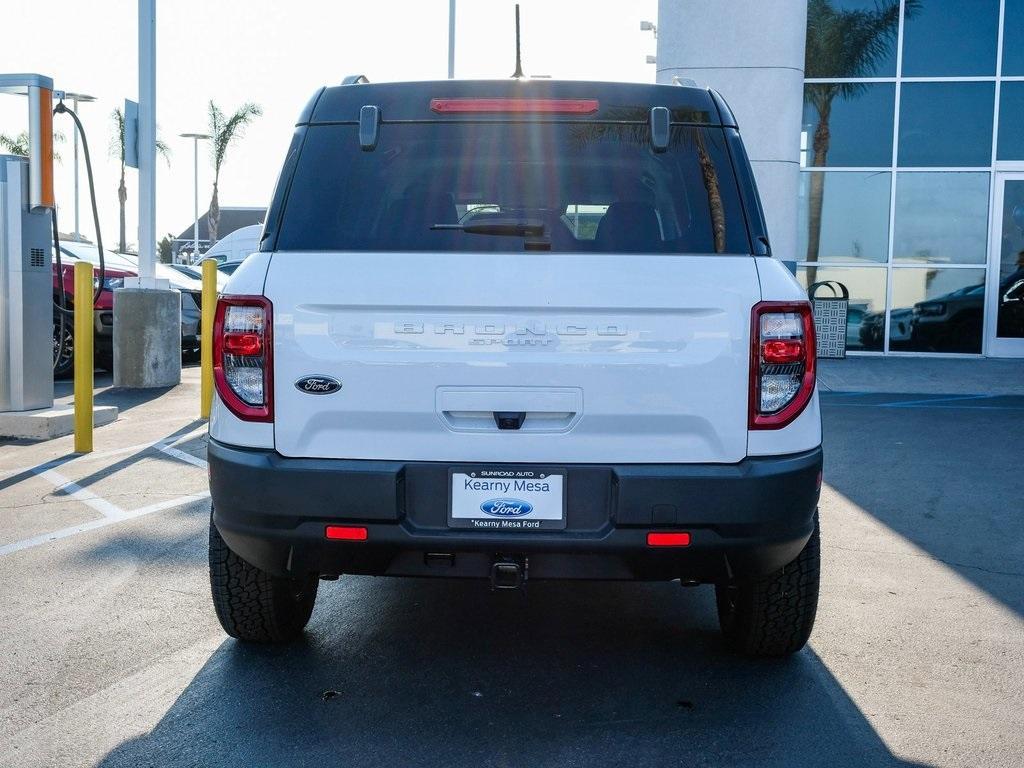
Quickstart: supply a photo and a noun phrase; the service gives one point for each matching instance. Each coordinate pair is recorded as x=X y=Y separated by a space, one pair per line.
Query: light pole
x=76 y=99
x=195 y=198
x=451 y=39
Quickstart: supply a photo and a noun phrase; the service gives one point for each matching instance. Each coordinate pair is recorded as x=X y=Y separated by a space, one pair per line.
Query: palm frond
x=116 y=148
x=19 y=145
x=850 y=43
x=225 y=130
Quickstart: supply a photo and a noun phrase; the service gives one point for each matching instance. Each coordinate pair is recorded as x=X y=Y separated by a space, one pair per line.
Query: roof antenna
x=519 y=61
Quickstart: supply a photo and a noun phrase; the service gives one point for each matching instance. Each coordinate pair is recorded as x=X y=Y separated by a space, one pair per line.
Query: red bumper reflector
x=680 y=539
x=782 y=351
x=548 y=106
x=346 y=532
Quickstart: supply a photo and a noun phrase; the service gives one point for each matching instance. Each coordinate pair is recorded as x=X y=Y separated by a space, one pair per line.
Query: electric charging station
x=26 y=273
x=26 y=277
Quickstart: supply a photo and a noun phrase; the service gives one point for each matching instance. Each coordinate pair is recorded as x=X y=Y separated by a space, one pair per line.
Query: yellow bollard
x=206 y=313
x=83 y=357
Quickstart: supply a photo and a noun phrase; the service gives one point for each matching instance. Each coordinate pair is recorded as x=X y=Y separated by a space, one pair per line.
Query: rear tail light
x=781 y=362
x=243 y=356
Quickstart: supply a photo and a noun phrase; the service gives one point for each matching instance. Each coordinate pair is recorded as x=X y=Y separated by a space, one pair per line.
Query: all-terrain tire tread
x=252 y=604
x=774 y=615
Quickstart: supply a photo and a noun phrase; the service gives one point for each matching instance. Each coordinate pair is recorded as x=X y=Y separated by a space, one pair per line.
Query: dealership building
x=887 y=138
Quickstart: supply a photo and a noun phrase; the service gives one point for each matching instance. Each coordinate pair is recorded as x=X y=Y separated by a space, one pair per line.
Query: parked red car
x=103 y=315
x=118 y=266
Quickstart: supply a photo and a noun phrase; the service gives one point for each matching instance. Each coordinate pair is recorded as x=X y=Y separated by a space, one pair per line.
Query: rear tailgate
x=612 y=358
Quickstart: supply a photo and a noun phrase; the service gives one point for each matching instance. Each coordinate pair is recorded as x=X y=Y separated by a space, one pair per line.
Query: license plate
x=506 y=499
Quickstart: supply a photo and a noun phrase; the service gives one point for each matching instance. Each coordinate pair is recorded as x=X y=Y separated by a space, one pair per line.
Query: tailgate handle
x=509 y=419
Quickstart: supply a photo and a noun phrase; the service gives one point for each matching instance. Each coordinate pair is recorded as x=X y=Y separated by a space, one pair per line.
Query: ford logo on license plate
x=506 y=507
x=318 y=385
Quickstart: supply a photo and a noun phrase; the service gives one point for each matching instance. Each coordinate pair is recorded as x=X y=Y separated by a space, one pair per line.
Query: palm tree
x=225 y=130
x=18 y=145
x=117 y=150
x=840 y=43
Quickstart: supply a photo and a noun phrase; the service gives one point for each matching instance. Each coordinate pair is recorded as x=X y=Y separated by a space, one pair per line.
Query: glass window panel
x=844 y=216
x=941 y=218
x=865 y=314
x=937 y=310
x=1010 y=302
x=946 y=124
x=1011 y=121
x=950 y=38
x=1013 y=38
x=837 y=31
x=857 y=129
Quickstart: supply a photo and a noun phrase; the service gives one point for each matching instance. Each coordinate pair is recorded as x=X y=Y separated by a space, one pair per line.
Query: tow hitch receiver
x=508 y=574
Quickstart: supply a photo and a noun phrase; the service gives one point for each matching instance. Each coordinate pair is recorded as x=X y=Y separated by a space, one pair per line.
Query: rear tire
x=773 y=616
x=63 y=357
x=253 y=605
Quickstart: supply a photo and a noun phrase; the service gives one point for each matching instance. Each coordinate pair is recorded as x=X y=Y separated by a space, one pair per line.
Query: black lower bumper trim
x=744 y=519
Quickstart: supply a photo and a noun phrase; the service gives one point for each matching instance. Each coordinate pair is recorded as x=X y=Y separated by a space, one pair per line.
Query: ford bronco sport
x=516 y=331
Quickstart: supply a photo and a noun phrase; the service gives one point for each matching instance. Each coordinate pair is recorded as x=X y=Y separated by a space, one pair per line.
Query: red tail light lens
x=781 y=351
x=243 y=356
x=541 y=106
x=243 y=343
x=782 y=362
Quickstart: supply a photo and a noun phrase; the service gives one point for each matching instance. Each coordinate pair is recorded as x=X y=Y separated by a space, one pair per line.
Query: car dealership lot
x=111 y=654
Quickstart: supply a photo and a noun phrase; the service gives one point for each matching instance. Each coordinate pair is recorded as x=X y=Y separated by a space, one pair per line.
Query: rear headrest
x=629 y=225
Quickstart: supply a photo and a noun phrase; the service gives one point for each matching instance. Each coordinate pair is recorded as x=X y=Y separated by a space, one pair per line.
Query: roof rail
x=355 y=80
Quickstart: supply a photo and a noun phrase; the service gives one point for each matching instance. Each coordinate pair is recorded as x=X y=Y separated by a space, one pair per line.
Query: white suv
x=511 y=331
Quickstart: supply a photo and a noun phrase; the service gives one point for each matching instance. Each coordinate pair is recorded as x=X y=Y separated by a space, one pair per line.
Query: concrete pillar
x=752 y=52
x=147 y=338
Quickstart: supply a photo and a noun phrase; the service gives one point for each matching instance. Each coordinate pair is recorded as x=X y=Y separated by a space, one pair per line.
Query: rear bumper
x=744 y=519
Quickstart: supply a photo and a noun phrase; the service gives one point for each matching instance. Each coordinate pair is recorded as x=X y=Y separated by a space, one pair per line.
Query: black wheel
x=252 y=604
x=773 y=615
x=63 y=357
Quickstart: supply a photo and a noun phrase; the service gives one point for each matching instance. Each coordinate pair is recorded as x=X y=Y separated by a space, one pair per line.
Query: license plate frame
x=465 y=504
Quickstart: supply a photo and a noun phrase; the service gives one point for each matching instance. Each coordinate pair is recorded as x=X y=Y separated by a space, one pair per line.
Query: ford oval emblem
x=318 y=385
x=506 y=507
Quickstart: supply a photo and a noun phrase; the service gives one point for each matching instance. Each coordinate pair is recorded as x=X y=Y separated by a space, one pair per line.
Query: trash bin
x=830 y=318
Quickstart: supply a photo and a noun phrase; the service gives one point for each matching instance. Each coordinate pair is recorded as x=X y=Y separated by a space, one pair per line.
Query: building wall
x=752 y=52
x=898 y=191
x=889 y=178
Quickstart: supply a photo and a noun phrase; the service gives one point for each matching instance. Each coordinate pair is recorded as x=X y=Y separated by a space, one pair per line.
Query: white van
x=236 y=246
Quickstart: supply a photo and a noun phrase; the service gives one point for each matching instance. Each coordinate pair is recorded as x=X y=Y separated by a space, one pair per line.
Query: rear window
x=580 y=187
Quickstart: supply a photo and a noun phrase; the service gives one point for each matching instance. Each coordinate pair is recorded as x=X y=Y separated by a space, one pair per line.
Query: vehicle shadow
x=944 y=472
x=442 y=673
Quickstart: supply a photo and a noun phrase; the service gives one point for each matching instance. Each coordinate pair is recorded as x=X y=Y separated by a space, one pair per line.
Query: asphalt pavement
x=110 y=653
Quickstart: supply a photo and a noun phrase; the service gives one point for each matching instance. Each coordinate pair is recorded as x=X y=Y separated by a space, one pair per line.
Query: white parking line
x=103 y=522
x=182 y=456
x=74 y=491
x=111 y=512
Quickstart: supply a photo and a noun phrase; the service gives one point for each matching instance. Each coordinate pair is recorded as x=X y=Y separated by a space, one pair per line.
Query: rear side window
x=471 y=186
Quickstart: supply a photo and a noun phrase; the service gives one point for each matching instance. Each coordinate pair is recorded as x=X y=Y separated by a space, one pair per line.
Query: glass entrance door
x=1005 y=316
